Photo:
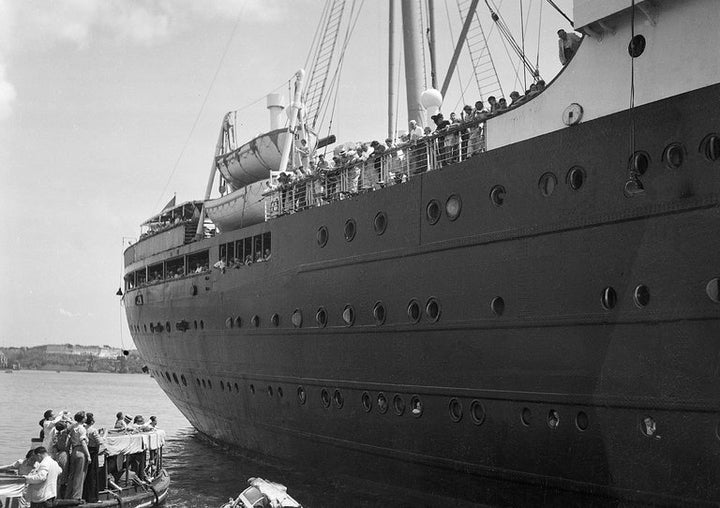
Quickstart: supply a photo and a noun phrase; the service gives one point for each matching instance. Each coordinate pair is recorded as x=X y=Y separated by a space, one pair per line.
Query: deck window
x=156 y=272
x=198 y=262
x=175 y=268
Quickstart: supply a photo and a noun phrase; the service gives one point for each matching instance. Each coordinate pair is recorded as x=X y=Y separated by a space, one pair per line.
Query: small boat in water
x=263 y=494
x=130 y=474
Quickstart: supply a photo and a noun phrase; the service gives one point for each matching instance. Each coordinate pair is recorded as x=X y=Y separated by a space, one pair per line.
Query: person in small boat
x=90 y=487
x=79 y=457
x=60 y=452
x=48 y=425
x=120 y=417
x=568 y=44
x=153 y=419
x=42 y=480
x=22 y=466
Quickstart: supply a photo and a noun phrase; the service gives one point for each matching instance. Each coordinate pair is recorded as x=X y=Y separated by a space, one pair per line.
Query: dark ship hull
x=564 y=344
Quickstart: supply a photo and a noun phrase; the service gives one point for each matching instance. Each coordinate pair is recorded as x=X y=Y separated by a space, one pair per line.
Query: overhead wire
x=202 y=107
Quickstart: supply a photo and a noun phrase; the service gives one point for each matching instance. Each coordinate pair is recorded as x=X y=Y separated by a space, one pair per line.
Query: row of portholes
x=160 y=327
x=380 y=402
x=552 y=419
x=415 y=312
x=641 y=297
x=674 y=154
x=380 y=223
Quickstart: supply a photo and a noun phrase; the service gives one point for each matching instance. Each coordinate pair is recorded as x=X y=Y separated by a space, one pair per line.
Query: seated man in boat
x=120 y=423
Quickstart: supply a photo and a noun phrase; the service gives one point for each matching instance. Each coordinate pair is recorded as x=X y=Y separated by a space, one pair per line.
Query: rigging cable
x=457 y=67
x=561 y=13
x=202 y=106
x=422 y=31
x=537 y=56
x=633 y=186
x=522 y=39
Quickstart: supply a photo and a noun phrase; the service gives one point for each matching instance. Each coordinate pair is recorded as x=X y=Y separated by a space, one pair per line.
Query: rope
x=537 y=57
x=422 y=31
x=202 y=108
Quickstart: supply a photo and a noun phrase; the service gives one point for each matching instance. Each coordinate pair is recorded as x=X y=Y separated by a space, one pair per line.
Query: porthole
x=477 y=412
x=349 y=230
x=432 y=211
x=195 y=324
x=674 y=155
x=321 y=317
x=252 y=388
x=641 y=296
x=648 y=426
x=525 y=416
x=325 y=398
x=713 y=290
x=413 y=311
x=348 y=315
x=432 y=309
x=194 y=290
x=380 y=223
x=398 y=405
x=159 y=328
x=547 y=184
x=297 y=318
x=275 y=319
x=710 y=147
x=497 y=195
x=203 y=383
x=175 y=378
x=210 y=383
x=322 y=236
x=301 y=395
x=379 y=313
x=416 y=406
x=636 y=46
x=229 y=322
x=237 y=388
x=640 y=162
x=497 y=305
x=453 y=207
x=280 y=392
x=382 y=403
x=455 y=410
x=145 y=328
x=582 y=421
x=197 y=380
x=255 y=320
x=609 y=298
x=167 y=326
x=183 y=379
x=366 y=402
x=553 y=419
x=270 y=391
x=576 y=178
x=202 y=324
x=152 y=328
x=222 y=386
x=238 y=321
x=338 y=399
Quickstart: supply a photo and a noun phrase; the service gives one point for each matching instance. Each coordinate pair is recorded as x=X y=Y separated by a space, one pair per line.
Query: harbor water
x=202 y=474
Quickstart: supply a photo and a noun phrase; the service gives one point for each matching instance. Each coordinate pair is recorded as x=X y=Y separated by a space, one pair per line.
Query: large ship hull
x=566 y=392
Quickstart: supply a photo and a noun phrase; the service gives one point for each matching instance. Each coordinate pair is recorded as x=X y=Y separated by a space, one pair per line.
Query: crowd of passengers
x=235 y=262
x=66 y=465
x=455 y=139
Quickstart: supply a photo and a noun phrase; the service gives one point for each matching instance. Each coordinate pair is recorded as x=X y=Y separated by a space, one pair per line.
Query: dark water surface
x=202 y=474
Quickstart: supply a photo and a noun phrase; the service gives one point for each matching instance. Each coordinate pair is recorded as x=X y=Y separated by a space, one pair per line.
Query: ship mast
x=412 y=45
x=392 y=97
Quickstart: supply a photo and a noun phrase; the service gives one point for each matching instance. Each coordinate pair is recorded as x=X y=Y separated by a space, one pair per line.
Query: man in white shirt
x=42 y=481
x=49 y=427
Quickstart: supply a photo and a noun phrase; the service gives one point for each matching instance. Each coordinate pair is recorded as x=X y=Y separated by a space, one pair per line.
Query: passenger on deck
x=515 y=98
x=416 y=131
x=540 y=85
x=442 y=147
x=492 y=101
x=267 y=255
x=304 y=152
x=568 y=43
x=453 y=138
x=502 y=104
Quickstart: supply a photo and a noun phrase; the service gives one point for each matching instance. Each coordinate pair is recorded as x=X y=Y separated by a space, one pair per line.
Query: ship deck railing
x=392 y=167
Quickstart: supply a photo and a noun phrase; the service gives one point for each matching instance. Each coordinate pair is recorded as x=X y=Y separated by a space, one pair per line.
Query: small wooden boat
x=129 y=474
x=263 y=493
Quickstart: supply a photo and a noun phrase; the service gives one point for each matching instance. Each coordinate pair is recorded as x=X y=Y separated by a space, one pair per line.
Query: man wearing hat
x=42 y=481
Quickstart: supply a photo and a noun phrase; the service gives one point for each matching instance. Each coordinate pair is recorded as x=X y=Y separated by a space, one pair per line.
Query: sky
x=110 y=107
